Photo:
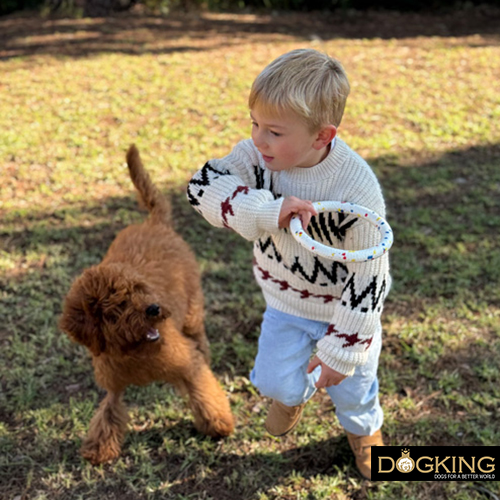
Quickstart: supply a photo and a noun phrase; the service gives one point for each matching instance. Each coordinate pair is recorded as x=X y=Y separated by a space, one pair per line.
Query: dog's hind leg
x=210 y=406
x=107 y=429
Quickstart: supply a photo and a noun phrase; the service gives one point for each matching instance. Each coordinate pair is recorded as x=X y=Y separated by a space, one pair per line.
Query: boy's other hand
x=328 y=375
x=295 y=206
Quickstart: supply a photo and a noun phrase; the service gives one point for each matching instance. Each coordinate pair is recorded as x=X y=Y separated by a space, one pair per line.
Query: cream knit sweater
x=238 y=192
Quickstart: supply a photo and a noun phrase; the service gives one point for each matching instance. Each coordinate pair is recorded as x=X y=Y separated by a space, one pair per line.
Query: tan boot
x=361 y=446
x=281 y=419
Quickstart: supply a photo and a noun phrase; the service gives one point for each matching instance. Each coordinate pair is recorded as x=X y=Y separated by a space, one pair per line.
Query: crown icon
x=405 y=452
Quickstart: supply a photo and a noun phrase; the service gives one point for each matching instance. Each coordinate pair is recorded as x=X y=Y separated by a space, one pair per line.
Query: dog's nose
x=153 y=310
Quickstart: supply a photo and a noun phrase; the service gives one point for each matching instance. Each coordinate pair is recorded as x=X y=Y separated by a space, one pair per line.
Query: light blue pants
x=286 y=344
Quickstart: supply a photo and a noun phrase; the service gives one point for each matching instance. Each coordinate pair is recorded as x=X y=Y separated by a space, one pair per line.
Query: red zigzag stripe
x=227 y=208
x=284 y=285
x=351 y=339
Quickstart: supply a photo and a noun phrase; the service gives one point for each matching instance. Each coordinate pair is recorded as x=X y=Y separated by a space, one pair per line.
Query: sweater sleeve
x=228 y=192
x=356 y=318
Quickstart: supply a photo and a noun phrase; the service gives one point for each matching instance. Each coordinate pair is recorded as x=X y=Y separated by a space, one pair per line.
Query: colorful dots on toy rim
x=337 y=254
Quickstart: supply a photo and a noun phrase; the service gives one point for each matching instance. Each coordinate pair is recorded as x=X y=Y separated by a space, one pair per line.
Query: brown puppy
x=140 y=313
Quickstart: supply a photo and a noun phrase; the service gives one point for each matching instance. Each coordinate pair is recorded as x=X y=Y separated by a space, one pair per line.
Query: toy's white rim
x=338 y=254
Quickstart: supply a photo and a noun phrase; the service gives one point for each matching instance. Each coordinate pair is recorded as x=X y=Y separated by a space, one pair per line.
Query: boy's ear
x=324 y=136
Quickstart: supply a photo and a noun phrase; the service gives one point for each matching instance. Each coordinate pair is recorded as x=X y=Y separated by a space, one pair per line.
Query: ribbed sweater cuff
x=347 y=347
x=343 y=367
x=339 y=358
x=348 y=321
x=267 y=216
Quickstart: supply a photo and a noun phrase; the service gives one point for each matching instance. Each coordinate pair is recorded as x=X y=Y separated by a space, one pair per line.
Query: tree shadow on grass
x=210 y=471
x=243 y=475
x=191 y=474
x=28 y=35
x=444 y=214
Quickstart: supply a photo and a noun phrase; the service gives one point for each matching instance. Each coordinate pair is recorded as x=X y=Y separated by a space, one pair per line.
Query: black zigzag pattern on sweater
x=203 y=179
x=259 y=177
x=260 y=182
x=355 y=300
x=264 y=245
x=323 y=226
x=333 y=274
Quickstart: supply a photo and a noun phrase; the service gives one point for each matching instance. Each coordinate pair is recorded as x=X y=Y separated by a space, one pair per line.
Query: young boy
x=293 y=159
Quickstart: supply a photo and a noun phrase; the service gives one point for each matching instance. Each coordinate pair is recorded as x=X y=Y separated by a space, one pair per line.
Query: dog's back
x=158 y=206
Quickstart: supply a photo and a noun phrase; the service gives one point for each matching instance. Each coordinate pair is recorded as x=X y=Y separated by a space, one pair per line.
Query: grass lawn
x=424 y=110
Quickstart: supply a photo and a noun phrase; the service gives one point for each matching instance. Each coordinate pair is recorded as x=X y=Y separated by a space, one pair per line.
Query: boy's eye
x=275 y=134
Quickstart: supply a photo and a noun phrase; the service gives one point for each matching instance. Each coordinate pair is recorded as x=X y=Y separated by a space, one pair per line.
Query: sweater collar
x=324 y=170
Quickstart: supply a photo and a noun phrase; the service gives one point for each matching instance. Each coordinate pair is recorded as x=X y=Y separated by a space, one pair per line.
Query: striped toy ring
x=337 y=254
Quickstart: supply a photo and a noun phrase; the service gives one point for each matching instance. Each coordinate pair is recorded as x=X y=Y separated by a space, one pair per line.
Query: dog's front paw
x=99 y=453
x=224 y=426
x=217 y=426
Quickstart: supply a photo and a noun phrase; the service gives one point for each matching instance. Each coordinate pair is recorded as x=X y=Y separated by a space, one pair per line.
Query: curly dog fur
x=140 y=314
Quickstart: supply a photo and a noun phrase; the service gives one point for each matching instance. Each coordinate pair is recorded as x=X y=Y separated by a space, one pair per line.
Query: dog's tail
x=158 y=206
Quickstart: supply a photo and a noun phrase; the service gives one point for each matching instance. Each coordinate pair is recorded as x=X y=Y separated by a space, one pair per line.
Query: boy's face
x=285 y=141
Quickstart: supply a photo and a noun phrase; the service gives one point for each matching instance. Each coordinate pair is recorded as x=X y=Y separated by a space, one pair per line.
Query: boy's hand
x=328 y=375
x=295 y=206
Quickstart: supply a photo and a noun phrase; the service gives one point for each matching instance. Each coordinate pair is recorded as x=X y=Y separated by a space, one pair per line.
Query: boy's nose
x=257 y=140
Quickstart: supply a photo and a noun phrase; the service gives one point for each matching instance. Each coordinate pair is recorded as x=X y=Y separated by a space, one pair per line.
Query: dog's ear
x=77 y=322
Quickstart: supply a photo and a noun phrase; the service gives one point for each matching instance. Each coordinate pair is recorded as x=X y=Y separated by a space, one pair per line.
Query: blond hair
x=308 y=82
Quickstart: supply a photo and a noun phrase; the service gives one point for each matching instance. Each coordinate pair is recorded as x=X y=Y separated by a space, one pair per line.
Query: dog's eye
x=153 y=310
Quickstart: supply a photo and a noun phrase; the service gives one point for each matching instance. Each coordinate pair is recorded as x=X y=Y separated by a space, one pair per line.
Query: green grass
x=74 y=94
